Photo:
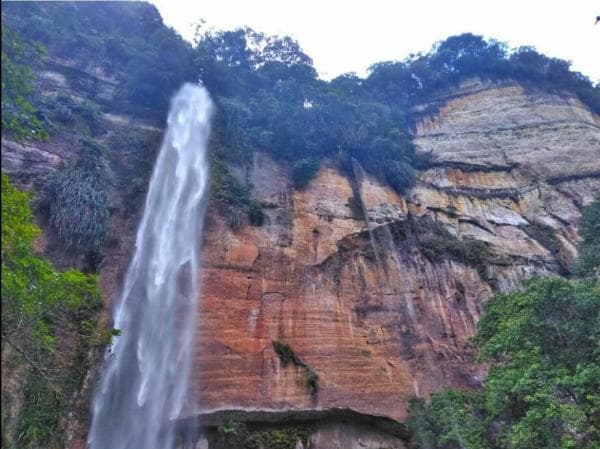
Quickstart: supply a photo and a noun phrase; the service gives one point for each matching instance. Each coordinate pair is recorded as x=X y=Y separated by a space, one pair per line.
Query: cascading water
x=145 y=379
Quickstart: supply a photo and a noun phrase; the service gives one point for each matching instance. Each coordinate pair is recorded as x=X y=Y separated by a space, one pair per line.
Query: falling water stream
x=144 y=383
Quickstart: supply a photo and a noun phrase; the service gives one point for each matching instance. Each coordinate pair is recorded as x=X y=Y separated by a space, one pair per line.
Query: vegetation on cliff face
x=588 y=262
x=19 y=117
x=48 y=328
x=233 y=434
x=543 y=386
x=287 y=355
x=77 y=199
x=267 y=91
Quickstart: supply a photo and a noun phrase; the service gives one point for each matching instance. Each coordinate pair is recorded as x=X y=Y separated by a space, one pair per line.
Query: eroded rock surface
x=376 y=319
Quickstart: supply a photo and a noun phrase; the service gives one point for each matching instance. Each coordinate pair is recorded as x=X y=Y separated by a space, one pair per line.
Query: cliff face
x=375 y=292
x=361 y=300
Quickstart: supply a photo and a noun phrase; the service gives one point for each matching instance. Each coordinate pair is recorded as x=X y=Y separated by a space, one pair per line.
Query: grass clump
x=77 y=200
x=287 y=355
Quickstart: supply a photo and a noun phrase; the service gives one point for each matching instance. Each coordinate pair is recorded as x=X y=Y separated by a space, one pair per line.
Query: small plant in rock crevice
x=287 y=355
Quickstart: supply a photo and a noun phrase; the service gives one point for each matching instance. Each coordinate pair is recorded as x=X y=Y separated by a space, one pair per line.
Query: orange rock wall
x=375 y=319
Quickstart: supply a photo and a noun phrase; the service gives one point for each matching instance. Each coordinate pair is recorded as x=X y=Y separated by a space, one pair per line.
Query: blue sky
x=345 y=36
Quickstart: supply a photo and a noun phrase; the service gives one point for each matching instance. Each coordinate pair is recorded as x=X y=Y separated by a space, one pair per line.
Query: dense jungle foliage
x=49 y=324
x=543 y=386
x=267 y=91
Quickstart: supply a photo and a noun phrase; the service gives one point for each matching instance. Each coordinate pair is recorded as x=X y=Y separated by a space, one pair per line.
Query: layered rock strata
x=363 y=304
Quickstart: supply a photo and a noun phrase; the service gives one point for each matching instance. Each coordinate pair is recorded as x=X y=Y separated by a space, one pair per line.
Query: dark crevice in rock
x=470 y=167
x=484 y=194
x=307 y=417
x=575 y=177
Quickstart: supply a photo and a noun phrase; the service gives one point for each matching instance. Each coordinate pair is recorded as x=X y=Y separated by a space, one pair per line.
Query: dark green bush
x=287 y=355
x=283 y=438
x=77 y=198
x=400 y=175
x=356 y=208
x=545 y=235
x=226 y=189
x=588 y=262
x=303 y=171
x=256 y=216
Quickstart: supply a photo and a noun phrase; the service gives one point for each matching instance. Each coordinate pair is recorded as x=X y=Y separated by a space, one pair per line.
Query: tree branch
x=37 y=367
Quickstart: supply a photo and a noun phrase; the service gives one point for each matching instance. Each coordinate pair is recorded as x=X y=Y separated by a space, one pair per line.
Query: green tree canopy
x=18 y=113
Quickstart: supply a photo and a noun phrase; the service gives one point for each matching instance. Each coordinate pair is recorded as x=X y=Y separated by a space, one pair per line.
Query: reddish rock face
x=375 y=319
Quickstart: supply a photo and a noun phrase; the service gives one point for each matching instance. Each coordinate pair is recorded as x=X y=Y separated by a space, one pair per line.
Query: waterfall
x=144 y=382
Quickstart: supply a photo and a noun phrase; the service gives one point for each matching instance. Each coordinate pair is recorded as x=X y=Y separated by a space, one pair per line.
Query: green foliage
x=287 y=355
x=452 y=419
x=18 y=230
x=436 y=243
x=256 y=216
x=226 y=189
x=32 y=290
x=303 y=171
x=77 y=198
x=127 y=39
x=39 y=304
x=234 y=198
x=543 y=387
x=41 y=413
x=546 y=236
x=588 y=263
x=464 y=56
x=285 y=438
x=230 y=434
x=19 y=117
x=269 y=98
x=234 y=434
x=266 y=89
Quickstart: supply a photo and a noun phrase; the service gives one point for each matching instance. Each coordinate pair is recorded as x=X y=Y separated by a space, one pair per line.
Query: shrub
x=49 y=319
x=356 y=208
x=400 y=175
x=588 y=262
x=546 y=236
x=303 y=171
x=285 y=438
x=287 y=355
x=256 y=216
x=78 y=198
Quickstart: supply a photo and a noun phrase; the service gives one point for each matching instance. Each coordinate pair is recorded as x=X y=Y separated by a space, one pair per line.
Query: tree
x=48 y=325
x=543 y=384
x=19 y=117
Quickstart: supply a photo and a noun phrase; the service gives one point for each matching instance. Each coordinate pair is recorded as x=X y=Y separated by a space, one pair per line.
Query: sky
x=349 y=35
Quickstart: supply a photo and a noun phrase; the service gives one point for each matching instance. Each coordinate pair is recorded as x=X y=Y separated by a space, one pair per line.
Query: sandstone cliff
x=356 y=298
x=355 y=278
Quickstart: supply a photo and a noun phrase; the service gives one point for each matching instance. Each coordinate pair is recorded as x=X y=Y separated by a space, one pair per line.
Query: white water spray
x=144 y=383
